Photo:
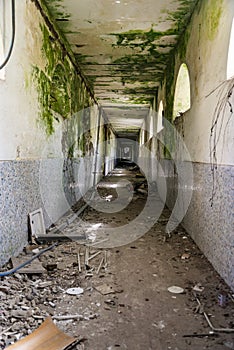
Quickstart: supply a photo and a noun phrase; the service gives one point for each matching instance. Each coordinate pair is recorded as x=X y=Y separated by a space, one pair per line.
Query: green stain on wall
x=169 y=88
x=44 y=87
x=183 y=43
x=178 y=55
x=58 y=84
x=210 y=14
x=212 y=18
x=183 y=14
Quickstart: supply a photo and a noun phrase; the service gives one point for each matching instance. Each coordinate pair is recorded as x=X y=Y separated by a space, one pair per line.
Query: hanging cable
x=12 y=35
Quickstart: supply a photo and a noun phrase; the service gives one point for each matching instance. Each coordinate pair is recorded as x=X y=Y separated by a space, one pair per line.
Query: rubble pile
x=28 y=298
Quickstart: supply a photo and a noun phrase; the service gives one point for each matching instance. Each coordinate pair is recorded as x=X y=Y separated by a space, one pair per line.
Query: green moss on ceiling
x=138 y=63
x=150 y=42
x=140 y=91
x=141 y=61
x=181 y=16
x=141 y=38
x=142 y=100
x=81 y=58
x=102 y=84
x=152 y=61
x=57 y=10
x=148 y=60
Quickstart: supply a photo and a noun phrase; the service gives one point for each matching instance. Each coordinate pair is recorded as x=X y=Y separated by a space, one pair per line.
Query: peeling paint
x=135 y=55
x=141 y=39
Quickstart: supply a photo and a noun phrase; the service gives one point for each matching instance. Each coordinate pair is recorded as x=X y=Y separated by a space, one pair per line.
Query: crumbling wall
x=207 y=131
x=45 y=113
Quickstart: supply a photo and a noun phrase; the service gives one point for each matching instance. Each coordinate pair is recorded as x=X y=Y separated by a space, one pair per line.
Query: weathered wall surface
x=207 y=131
x=47 y=151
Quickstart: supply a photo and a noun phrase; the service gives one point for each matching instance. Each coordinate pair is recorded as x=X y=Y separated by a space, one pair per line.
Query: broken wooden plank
x=94 y=255
x=78 y=260
x=100 y=265
x=35 y=267
x=68 y=317
x=86 y=261
x=105 y=259
x=48 y=336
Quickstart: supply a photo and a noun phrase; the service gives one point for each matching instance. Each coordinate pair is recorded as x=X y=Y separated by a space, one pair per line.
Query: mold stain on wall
x=212 y=18
x=58 y=83
x=60 y=88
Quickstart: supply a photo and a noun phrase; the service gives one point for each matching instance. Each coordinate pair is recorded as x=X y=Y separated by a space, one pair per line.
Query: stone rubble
x=27 y=299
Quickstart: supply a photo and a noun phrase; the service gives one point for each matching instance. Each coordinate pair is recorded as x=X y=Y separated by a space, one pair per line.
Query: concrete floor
x=126 y=304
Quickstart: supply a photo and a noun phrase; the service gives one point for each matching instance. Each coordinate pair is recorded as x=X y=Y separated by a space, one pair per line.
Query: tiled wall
x=19 y=195
x=24 y=187
x=211 y=227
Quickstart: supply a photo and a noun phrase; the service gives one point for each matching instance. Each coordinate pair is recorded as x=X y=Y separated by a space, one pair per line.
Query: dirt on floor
x=118 y=298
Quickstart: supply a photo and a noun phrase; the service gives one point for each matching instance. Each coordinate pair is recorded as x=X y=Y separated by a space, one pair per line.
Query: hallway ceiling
x=122 y=46
x=126 y=120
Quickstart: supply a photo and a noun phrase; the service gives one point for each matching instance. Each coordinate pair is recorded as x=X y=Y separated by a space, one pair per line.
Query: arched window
x=230 y=62
x=182 y=98
x=160 y=117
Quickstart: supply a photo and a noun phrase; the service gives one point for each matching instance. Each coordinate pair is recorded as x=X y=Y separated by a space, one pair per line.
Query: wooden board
x=35 y=267
x=47 y=337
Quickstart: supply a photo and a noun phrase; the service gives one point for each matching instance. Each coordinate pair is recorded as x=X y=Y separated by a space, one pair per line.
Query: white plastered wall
x=21 y=134
x=207 y=63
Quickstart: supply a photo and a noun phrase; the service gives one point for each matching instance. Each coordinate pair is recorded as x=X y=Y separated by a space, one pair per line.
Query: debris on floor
x=105 y=289
x=27 y=299
x=214 y=329
x=118 y=297
x=75 y=291
x=175 y=290
x=198 y=288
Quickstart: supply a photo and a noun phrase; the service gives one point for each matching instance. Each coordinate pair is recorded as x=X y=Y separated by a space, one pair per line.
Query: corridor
x=121 y=297
x=116 y=173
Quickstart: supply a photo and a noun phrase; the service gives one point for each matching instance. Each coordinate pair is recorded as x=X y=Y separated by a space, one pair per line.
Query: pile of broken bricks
x=30 y=296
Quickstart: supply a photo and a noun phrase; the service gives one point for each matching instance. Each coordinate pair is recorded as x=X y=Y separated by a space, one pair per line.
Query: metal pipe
x=226 y=330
